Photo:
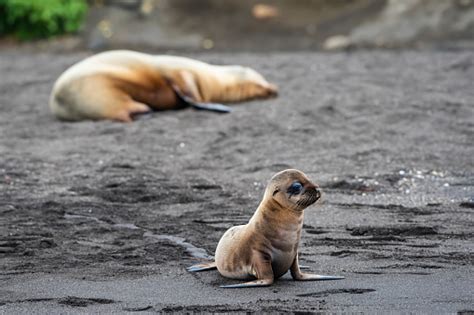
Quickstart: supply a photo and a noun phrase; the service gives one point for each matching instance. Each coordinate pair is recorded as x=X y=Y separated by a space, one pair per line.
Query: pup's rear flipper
x=202 y=267
x=324 y=278
x=251 y=284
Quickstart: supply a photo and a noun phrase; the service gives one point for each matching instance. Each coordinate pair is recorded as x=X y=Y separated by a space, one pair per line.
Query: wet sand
x=104 y=217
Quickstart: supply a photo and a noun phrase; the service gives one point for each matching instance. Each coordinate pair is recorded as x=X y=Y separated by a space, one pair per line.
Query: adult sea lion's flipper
x=202 y=267
x=215 y=107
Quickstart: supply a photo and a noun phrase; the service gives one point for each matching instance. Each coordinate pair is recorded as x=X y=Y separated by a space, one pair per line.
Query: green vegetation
x=32 y=19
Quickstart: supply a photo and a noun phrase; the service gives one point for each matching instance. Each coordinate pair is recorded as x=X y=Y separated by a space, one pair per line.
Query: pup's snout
x=315 y=189
x=318 y=193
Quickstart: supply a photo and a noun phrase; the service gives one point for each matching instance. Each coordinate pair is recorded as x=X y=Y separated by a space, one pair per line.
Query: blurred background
x=240 y=25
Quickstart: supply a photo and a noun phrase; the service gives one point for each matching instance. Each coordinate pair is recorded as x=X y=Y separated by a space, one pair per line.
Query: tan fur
x=114 y=85
x=267 y=247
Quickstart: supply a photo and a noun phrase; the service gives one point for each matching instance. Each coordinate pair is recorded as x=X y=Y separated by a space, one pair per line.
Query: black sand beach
x=102 y=217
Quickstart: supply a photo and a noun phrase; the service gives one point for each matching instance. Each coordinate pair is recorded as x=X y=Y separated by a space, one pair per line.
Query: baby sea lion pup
x=267 y=247
x=117 y=84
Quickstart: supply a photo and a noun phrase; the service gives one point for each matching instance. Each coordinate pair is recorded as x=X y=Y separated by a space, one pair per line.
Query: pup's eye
x=295 y=188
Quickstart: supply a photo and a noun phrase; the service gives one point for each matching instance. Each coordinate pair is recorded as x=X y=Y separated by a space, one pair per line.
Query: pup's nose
x=315 y=188
x=318 y=193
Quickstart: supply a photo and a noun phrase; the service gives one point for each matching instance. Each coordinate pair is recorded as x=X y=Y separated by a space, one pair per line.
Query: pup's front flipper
x=313 y=277
x=202 y=267
x=300 y=276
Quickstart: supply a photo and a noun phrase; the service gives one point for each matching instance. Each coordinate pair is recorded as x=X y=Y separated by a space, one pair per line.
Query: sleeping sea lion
x=118 y=84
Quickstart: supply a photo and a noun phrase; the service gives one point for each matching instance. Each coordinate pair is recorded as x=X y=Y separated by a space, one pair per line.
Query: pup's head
x=292 y=189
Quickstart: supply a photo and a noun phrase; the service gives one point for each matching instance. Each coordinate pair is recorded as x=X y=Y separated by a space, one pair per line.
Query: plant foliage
x=31 y=19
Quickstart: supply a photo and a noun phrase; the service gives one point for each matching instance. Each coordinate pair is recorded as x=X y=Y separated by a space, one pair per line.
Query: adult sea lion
x=267 y=247
x=117 y=84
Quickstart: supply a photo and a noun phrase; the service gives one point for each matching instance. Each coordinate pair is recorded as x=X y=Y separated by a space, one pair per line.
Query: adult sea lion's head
x=247 y=84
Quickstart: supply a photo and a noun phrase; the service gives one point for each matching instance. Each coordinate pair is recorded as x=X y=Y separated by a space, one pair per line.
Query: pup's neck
x=271 y=212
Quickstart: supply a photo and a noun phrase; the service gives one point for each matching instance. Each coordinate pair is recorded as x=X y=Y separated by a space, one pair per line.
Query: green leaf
x=29 y=19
